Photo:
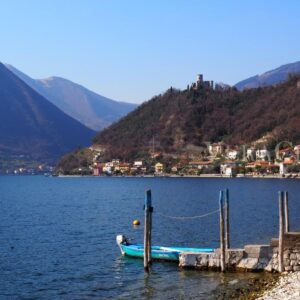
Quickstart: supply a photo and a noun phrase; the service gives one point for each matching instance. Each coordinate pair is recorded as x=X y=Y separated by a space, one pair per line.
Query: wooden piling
x=149 y=233
x=227 y=234
x=222 y=242
x=286 y=212
x=281 y=233
x=147 y=230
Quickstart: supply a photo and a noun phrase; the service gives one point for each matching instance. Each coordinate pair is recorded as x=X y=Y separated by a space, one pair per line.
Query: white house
x=282 y=169
x=297 y=150
x=262 y=154
x=216 y=148
x=107 y=169
x=233 y=154
x=228 y=169
x=250 y=154
x=138 y=164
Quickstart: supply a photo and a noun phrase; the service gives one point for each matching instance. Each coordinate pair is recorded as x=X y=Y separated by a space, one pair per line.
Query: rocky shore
x=287 y=288
x=270 y=287
x=242 y=287
x=261 y=286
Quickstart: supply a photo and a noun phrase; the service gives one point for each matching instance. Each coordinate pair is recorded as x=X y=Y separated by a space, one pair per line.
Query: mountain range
x=92 y=110
x=271 y=77
x=42 y=119
x=33 y=127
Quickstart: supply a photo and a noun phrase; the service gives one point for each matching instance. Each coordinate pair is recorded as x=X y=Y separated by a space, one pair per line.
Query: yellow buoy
x=136 y=222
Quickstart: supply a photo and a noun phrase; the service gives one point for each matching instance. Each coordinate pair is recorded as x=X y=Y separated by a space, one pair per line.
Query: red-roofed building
x=286 y=152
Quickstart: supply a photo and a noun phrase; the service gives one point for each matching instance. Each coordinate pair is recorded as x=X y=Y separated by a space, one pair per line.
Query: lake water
x=57 y=235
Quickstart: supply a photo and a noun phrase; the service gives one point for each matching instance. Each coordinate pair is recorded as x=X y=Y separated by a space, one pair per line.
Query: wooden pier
x=281 y=254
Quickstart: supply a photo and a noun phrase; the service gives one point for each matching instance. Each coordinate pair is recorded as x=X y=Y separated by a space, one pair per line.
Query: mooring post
x=227 y=226
x=147 y=230
x=286 y=211
x=222 y=242
x=281 y=233
x=150 y=230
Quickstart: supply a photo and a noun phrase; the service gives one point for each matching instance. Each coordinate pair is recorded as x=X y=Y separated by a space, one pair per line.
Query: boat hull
x=159 y=253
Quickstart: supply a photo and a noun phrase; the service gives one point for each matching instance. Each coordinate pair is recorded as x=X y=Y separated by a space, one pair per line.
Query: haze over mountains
x=32 y=126
x=270 y=77
x=93 y=110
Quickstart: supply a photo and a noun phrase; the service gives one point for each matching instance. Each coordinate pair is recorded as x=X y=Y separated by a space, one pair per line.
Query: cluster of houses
x=257 y=160
x=37 y=170
x=220 y=159
x=116 y=167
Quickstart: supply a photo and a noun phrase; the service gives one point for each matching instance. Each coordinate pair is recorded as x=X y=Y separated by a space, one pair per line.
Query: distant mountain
x=270 y=78
x=32 y=126
x=89 y=108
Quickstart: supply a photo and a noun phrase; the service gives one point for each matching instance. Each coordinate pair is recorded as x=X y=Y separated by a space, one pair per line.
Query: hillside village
x=219 y=159
x=262 y=157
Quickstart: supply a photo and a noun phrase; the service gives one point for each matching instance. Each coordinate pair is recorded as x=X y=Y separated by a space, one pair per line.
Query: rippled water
x=57 y=235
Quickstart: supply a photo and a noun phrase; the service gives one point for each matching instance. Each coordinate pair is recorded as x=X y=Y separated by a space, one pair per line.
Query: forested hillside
x=178 y=119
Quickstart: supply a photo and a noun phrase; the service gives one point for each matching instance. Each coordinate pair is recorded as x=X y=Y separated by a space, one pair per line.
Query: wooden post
x=227 y=238
x=222 y=242
x=147 y=230
x=150 y=231
x=281 y=233
x=286 y=212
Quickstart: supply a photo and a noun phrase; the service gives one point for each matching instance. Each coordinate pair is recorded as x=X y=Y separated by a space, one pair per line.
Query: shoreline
x=239 y=176
x=271 y=287
x=249 y=289
x=287 y=287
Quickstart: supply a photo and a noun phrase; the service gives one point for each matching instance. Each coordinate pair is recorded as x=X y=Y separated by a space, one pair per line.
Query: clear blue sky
x=133 y=49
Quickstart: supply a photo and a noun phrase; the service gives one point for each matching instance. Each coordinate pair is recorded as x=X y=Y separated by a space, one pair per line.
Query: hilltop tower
x=201 y=83
x=199 y=79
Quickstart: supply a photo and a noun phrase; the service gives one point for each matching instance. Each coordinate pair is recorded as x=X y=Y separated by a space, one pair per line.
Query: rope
x=193 y=217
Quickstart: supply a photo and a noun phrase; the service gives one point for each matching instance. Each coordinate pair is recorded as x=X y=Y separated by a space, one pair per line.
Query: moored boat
x=157 y=252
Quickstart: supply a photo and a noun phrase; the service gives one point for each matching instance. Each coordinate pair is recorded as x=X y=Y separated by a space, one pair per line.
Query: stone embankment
x=251 y=258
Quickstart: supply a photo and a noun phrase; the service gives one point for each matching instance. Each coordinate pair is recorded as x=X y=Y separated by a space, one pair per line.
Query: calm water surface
x=57 y=235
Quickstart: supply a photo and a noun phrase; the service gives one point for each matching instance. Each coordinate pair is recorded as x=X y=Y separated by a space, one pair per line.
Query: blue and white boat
x=157 y=252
